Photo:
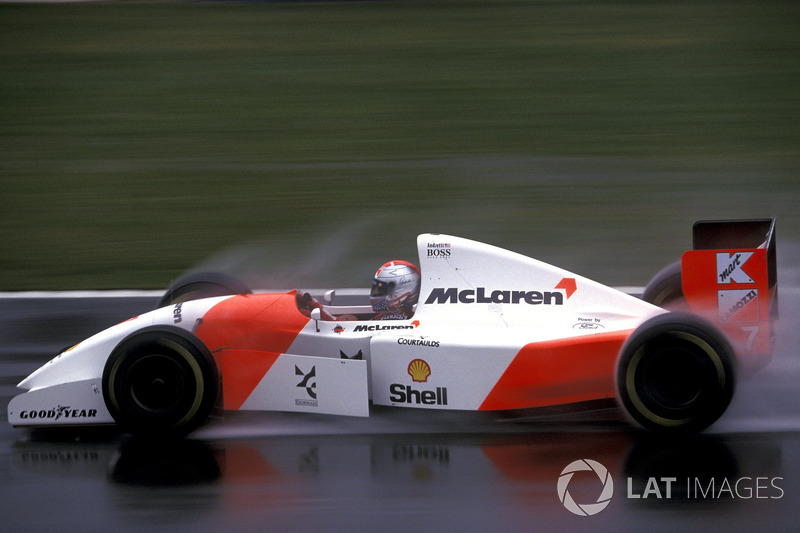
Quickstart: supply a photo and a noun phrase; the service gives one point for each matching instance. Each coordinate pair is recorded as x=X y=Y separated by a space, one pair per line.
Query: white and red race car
x=492 y=331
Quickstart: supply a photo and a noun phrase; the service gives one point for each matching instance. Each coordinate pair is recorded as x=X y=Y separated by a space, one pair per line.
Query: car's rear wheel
x=160 y=381
x=676 y=373
x=203 y=285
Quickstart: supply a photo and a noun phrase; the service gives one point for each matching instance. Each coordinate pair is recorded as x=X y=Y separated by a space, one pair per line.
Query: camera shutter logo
x=585 y=509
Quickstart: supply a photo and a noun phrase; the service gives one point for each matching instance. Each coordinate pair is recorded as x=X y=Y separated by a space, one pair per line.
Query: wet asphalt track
x=396 y=471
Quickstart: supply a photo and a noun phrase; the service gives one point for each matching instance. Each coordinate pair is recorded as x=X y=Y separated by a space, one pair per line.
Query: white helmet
x=395 y=287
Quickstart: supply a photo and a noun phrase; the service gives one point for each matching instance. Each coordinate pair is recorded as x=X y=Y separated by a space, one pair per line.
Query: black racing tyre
x=676 y=374
x=160 y=381
x=666 y=289
x=203 y=285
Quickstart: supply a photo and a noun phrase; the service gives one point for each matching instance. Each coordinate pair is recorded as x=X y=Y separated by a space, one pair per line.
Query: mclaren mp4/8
x=492 y=331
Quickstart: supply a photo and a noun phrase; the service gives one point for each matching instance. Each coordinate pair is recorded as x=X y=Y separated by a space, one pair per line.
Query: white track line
x=45 y=295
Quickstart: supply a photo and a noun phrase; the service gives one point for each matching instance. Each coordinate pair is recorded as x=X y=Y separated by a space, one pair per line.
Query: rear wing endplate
x=731 y=278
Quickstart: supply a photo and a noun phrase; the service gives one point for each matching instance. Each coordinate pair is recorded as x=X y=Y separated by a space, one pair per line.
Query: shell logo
x=419 y=370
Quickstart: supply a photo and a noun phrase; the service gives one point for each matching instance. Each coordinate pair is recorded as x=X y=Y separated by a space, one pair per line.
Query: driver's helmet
x=395 y=287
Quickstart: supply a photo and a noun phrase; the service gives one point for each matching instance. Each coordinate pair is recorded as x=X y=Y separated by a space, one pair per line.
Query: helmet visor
x=381 y=288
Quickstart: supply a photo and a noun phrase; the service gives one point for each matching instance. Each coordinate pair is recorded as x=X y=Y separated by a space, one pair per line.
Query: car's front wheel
x=676 y=373
x=666 y=289
x=160 y=381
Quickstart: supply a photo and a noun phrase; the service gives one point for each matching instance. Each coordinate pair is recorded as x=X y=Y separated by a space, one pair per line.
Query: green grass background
x=314 y=140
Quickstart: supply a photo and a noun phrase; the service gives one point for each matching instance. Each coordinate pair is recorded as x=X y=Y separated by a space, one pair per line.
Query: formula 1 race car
x=492 y=331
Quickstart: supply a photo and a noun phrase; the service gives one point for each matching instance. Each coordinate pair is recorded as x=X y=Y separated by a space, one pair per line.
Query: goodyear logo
x=57 y=413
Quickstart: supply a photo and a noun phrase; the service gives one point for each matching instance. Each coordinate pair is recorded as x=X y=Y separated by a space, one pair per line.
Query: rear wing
x=731 y=278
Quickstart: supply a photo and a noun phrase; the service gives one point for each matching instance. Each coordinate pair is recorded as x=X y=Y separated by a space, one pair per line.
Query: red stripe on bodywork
x=559 y=372
x=242 y=371
x=246 y=334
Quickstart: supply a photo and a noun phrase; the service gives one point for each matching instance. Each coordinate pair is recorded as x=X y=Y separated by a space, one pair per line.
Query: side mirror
x=316 y=315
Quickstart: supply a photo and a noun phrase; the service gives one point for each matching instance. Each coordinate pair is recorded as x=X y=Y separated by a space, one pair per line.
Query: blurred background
x=303 y=144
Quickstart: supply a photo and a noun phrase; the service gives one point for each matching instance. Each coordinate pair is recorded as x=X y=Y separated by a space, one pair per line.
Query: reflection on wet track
x=397 y=471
